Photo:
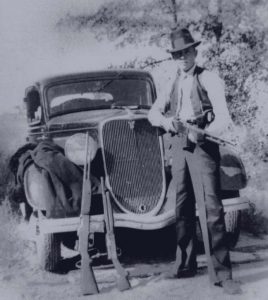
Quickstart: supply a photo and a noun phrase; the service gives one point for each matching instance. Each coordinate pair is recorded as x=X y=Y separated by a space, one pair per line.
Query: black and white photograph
x=134 y=149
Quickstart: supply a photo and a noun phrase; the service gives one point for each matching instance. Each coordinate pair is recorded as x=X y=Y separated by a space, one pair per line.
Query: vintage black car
x=128 y=154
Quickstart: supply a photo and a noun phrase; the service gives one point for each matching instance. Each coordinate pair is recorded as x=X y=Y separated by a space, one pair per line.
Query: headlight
x=75 y=148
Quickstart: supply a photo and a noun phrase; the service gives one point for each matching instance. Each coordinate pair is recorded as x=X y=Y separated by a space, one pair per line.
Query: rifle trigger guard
x=119 y=251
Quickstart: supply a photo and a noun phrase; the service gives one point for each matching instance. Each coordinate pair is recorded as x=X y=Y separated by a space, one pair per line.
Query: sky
x=32 y=47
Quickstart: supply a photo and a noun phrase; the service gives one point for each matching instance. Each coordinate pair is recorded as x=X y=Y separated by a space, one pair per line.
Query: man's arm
x=157 y=118
x=214 y=86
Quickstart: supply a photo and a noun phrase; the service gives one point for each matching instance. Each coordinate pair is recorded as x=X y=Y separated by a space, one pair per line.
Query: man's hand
x=178 y=125
x=167 y=124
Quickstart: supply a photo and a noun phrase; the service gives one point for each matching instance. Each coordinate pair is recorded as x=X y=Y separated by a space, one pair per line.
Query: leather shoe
x=184 y=273
x=230 y=287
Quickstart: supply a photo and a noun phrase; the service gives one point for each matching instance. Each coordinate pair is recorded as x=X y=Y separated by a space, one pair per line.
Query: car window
x=33 y=105
x=93 y=94
x=86 y=96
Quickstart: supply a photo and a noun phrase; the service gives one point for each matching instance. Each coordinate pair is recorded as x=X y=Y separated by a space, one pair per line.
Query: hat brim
x=195 y=44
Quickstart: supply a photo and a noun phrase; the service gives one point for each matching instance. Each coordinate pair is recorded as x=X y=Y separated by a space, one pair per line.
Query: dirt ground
x=21 y=279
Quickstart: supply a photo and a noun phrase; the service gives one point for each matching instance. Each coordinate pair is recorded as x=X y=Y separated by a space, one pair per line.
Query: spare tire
x=232 y=222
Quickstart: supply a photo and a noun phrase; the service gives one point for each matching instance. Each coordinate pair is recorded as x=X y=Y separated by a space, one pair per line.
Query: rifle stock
x=89 y=284
x=122 y=278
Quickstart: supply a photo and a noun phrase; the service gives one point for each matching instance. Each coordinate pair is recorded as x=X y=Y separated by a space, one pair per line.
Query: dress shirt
x=184 y=107
x=215 y=89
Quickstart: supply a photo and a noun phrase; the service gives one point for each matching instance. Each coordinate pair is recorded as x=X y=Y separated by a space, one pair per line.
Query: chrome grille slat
x=133 y=162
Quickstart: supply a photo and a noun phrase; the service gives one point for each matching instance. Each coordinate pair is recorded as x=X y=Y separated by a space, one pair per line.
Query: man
x=197 y=97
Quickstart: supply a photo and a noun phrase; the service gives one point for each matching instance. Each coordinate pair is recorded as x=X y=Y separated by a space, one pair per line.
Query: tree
x=126 y=21
x=233 y=36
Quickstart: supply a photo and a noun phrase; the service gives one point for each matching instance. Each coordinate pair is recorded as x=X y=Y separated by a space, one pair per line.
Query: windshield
x=98 y=94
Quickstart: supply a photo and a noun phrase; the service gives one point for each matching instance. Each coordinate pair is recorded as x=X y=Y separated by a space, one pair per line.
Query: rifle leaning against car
x=89 y=284
x=122 y=275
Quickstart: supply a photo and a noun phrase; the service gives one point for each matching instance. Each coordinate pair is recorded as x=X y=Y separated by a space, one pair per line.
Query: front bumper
x=162 y=220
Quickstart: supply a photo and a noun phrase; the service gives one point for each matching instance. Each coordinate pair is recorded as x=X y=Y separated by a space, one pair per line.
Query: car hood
x=90 y=118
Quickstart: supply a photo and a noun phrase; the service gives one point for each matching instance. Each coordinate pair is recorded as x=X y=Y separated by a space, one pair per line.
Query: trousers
x=196 y=172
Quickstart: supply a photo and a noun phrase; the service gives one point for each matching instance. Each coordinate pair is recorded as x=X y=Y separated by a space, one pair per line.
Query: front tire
x=48 y=251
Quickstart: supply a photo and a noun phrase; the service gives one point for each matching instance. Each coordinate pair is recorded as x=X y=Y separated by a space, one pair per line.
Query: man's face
x=185 y=58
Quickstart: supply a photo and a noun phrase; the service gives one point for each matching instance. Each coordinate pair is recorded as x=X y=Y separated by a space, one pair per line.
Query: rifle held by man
x=190 y=126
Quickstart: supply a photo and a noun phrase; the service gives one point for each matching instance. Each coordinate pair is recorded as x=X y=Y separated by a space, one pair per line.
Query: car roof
x=94 y=74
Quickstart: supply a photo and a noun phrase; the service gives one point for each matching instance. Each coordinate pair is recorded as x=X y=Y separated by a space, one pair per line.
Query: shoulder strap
x=199 y=96
x=198 y=71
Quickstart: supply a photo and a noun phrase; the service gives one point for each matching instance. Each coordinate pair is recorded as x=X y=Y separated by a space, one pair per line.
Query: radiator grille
x=134 y=165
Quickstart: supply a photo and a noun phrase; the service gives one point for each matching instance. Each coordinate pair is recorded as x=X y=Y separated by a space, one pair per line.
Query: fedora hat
x=181 y=39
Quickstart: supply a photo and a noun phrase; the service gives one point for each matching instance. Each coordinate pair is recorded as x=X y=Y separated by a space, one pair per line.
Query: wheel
x=69 y=239
x=48 y=251
x=232 y=222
